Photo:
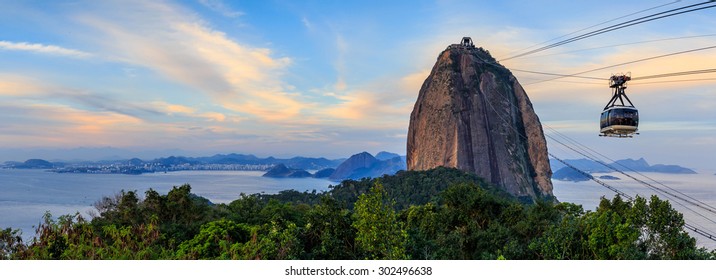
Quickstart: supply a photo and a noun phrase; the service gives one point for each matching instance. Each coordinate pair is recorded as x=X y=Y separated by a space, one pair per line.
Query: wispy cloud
x=340 y=63
x=44 y=93
x=43 y=49
x=221 y=7
x=187 y=51
x=307 y=23
x=66 y=126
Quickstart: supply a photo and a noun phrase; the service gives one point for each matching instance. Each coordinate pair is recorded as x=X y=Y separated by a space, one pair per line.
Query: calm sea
x=25 y=195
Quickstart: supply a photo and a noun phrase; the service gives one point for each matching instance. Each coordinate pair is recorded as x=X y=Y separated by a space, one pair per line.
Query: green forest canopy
x=436 y=214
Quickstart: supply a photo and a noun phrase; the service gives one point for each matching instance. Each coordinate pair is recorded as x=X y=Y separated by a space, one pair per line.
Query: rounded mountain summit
x=473 y=114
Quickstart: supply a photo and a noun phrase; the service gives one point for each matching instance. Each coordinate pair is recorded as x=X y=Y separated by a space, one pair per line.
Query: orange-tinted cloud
x=184 y=49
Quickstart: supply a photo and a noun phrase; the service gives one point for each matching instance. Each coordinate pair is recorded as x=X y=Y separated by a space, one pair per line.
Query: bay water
x=25 y=195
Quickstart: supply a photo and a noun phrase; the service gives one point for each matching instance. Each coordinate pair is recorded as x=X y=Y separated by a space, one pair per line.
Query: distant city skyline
x=332 y=78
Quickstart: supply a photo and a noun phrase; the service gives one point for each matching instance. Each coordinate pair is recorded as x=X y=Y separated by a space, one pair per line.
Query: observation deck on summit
x=465 y=43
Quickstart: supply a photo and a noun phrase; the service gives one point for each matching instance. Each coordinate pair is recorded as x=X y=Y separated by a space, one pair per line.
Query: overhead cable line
x=586 y=174
x=686 y=225
x=578 y=82
x=578 y=75
x=625 y=63
x=695 y=229
x=640 y=20
x=592 y=152
x=666 y=75
x=598 y=24
x=657 y=189
x=675 y=81
x=558 y=75
x=692 y=201
x=625 y=44
x=703 y=232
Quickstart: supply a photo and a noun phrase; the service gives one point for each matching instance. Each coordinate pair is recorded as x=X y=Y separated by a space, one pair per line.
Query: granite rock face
x=473 y=114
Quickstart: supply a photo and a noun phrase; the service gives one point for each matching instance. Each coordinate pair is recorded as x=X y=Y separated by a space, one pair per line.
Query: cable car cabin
x=619 y=121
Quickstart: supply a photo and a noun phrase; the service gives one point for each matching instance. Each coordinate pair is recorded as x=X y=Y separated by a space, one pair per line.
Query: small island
x=609 y=177
x=282 y=171
x=566 y=173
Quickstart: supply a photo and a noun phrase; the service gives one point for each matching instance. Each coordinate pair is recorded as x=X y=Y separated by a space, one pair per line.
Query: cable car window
x=603 y=122
x=624 y=116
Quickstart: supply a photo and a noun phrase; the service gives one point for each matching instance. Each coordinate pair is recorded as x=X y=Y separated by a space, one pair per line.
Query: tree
x=619 y=229
x=328 y=231
x=154 y=206
x=663 y=235
x=379 y=233
x=422 y=228
x=565 y=239
x=272 y=241
x=470 y=215
x=245 y=209
x=11 y=244
x=180 y=208
x=128 y=208
x=214 y=241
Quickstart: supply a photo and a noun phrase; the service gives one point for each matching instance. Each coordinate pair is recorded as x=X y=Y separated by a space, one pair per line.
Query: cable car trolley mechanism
x=619 y=119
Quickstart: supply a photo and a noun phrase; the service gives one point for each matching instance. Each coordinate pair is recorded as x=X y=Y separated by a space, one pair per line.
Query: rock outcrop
x=472 y=114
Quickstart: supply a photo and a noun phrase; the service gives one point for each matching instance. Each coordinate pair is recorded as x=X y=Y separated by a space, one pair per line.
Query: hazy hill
x=324 y=173
x=33 y=164
x=281 y=171
x=566 y=173
x=365 y=165
x=385 y=155
x=295 y=162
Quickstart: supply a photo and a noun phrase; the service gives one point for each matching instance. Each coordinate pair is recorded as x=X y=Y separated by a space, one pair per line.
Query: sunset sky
x=332 y=78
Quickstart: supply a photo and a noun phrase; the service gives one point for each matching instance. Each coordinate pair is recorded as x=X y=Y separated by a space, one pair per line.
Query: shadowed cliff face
x=472 y=114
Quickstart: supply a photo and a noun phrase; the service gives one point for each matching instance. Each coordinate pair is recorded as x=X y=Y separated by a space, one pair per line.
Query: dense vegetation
x=437 y=214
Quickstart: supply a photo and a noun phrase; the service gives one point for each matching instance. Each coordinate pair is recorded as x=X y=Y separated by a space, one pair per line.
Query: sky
x=331 y=78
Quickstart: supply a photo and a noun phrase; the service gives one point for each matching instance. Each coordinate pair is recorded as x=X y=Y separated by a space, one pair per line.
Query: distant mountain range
x=176 y=163
x=566 y=173
x=294 y=162
x=358 y=166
